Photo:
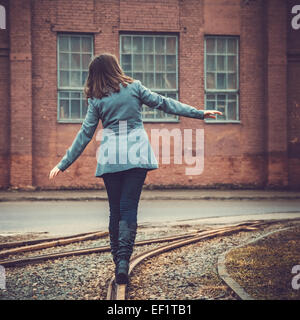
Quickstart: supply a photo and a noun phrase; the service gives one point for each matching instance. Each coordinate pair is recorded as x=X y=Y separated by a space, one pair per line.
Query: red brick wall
x=293 y=100
x=4 y=105
x=20 y=94
x=248 y=154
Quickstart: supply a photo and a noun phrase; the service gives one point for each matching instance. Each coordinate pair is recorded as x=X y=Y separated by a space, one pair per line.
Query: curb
x=224 y=275
x=103 y=197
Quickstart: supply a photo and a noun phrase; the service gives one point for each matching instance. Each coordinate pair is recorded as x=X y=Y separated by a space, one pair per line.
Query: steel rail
x=14 y=244
x=118 y=292
x=54 y=243
x=57 y=255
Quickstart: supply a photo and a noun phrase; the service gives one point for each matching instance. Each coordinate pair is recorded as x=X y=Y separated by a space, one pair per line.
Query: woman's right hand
x=54 y=172
x=210 y=113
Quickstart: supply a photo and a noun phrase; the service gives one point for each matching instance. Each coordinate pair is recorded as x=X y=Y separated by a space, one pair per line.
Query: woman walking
x=117 y=99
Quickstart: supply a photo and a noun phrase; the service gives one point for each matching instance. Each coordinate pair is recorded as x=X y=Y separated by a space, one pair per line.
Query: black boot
x=114 y=240
x=127 y=234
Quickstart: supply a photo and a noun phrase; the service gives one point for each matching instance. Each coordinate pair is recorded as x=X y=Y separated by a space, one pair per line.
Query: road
x=70 y=217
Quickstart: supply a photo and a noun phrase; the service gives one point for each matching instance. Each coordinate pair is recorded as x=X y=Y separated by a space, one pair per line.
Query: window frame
x=171 y=118
x=71 y=90
x=226 y=92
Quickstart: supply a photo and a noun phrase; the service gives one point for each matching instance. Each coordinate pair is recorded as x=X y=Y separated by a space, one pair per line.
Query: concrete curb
x=101 y=195
x=224 y=275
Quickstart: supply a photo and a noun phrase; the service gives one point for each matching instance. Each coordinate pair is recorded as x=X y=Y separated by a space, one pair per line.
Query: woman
x=117 y=99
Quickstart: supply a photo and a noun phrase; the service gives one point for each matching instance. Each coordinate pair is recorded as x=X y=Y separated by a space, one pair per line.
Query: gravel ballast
x=186 y=273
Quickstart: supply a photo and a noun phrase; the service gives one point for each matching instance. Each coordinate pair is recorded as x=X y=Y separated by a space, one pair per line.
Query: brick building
x=238 y=56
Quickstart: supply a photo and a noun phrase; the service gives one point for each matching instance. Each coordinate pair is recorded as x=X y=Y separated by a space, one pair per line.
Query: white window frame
x=72 y=90
x=158 y=115
x=226 y=92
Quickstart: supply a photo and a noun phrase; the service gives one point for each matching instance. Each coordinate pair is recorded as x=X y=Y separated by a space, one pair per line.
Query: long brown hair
x=105 y=75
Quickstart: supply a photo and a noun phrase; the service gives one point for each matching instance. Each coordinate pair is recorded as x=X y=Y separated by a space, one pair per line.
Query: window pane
x=160 y=81
x=64 y=61
x=171 y=63
x=232 y=46
x=149 y=80
x=138 y=76
x=221 y=63
x=210 y=81
x=64 y=109
x=84 y=77
x=222 y=76
x=221 y=81
x=210 y=105
x=210 y=63
x=210 y=97
x=75 y=109
x=231 y=108
x=232 y=81
x=221 y=45
x=171 y=45
x=172 y=95
x=231 y=63
x=126 y=44
x=126 y=62
x=84 y=108
x=171 y=81
x=63 y=95
x=75 y=95
x=75 y=79
x=75 y=44
x=154 y=64
x=86 y=59
x=64 y=79
x=148 y=45
x=64 y=44
x=160 y=63
x=221 y=107
x=137 y=44
x=86 y=44
x=159 y=45
x=149 y=62
x=73 y=71
x=210 y=45
x=137 y=62
x=75 y=61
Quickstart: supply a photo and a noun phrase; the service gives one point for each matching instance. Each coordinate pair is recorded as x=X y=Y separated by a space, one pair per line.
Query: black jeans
x=124 y=189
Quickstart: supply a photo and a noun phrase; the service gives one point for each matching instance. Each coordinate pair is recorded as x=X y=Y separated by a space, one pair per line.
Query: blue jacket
x=121 y=116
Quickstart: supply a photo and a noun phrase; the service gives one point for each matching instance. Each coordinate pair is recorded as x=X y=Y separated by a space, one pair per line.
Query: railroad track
x=40 y=244
x=116 y=292
x=119 y=292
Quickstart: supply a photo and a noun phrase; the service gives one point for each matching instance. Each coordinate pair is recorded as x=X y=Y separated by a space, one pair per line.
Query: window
x=221 y=77
x=74 y=54
x=152 y=59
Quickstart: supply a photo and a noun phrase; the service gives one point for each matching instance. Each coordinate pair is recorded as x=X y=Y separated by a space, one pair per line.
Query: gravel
x=190 y=272
x=186 y=273
x=83 y=277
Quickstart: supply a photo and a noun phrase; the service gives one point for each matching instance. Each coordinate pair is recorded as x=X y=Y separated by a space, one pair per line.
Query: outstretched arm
x=81 y=140
x=172 y=106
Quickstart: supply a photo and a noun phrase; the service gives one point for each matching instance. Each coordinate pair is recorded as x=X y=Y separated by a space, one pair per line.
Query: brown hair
x=105 y=75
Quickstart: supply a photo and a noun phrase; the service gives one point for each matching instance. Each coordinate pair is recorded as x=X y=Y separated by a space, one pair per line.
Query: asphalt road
x=70 y=217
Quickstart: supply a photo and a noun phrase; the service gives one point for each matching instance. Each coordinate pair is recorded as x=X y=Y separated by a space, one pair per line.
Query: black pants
x=124 y=189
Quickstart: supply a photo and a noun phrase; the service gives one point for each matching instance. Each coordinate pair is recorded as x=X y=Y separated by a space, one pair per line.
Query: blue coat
x=124 y=141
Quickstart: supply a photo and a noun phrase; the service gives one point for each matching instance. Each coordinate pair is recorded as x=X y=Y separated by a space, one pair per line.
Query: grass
x=264 y=269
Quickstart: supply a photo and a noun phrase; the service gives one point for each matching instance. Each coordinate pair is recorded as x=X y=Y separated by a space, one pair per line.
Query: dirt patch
x=264 y=269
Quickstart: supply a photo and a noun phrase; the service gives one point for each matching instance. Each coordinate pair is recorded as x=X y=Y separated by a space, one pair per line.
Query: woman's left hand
x=210 y=113
x=54 y=172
